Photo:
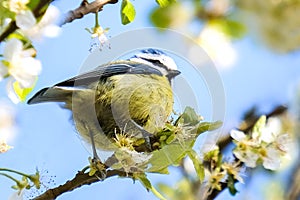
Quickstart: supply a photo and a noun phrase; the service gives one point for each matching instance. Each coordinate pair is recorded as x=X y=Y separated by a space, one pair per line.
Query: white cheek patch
x=164 y=59
x=168 y=62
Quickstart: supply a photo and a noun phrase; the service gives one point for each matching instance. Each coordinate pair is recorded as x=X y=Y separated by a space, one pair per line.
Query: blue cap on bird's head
x=153 y=51
x=157 y=58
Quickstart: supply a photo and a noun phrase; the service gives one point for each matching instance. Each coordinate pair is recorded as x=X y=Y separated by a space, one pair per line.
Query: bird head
x=158 y=60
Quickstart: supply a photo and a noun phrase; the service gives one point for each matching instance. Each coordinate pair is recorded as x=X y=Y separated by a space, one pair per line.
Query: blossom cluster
x=274 y=22
x=264 y=144
x=18 y=62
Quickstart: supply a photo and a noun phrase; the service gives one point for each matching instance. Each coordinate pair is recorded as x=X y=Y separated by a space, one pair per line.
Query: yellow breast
x=146 y=99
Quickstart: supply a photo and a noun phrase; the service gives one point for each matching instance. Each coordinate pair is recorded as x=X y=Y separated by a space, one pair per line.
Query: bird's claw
x=97 y=168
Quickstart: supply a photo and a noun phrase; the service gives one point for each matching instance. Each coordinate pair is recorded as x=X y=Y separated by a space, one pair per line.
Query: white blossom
x=17 y=6
x=283 y=142
x=238 y=135
x=265 y=143
x=218 y=46
x=247 y=156
x=244 y=150
x=24 y=16
x=19 y=64
x=130 y=159
x=4 y=147
x=45 y=27
x=271 y=130
x=25 y=20
x=243 y=139
x=272 y=159
x=99 y=39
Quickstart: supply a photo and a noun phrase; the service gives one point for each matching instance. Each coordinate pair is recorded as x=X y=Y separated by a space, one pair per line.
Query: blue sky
x=47 y=139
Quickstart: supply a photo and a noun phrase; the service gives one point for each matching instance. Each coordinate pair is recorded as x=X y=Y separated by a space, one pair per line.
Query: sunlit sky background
x=47 y=139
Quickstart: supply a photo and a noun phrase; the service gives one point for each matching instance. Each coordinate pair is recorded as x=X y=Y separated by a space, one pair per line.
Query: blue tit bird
x=133 y=96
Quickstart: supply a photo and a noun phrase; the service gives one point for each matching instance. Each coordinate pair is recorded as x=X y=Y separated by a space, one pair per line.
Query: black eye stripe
x=156 y=62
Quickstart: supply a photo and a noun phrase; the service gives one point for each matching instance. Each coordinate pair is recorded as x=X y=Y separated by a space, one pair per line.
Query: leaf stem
x=14 y=171
x=10 y=177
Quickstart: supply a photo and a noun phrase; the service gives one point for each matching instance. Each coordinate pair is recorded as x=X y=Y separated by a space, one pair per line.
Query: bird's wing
x=106 y=71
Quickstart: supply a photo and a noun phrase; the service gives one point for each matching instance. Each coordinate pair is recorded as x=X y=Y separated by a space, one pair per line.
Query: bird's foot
x=97 y=168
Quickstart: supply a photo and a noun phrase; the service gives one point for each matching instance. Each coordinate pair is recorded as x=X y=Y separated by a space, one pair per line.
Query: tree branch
x=86 y=8
x=80 y=179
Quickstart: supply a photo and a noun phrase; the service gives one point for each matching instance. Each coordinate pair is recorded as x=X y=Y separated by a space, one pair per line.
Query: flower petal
x=25 y=20
x=271 y=130
x=238 y=135
x=272 y=160
x=247 y=156
x=45 y=27
x=17 y=5
x=25 y=71
x=12 y=49
x=50 y=16
x=284 y=142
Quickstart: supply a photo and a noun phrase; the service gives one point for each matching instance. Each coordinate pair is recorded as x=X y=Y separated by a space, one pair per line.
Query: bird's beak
x=173 y=73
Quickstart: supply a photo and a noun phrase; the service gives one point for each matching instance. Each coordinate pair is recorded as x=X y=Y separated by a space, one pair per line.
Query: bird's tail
x=52 y=94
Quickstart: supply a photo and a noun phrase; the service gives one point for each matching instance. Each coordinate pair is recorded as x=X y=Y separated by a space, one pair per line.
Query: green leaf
x=127 y=12
x=164 y=3
x=144 y=180
x=232 y=29
x=208 y=126
x=189 y=116
x=171 y=138
x=22 y=93
x=161 y=17
x=170 y=154
x=199 y=168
